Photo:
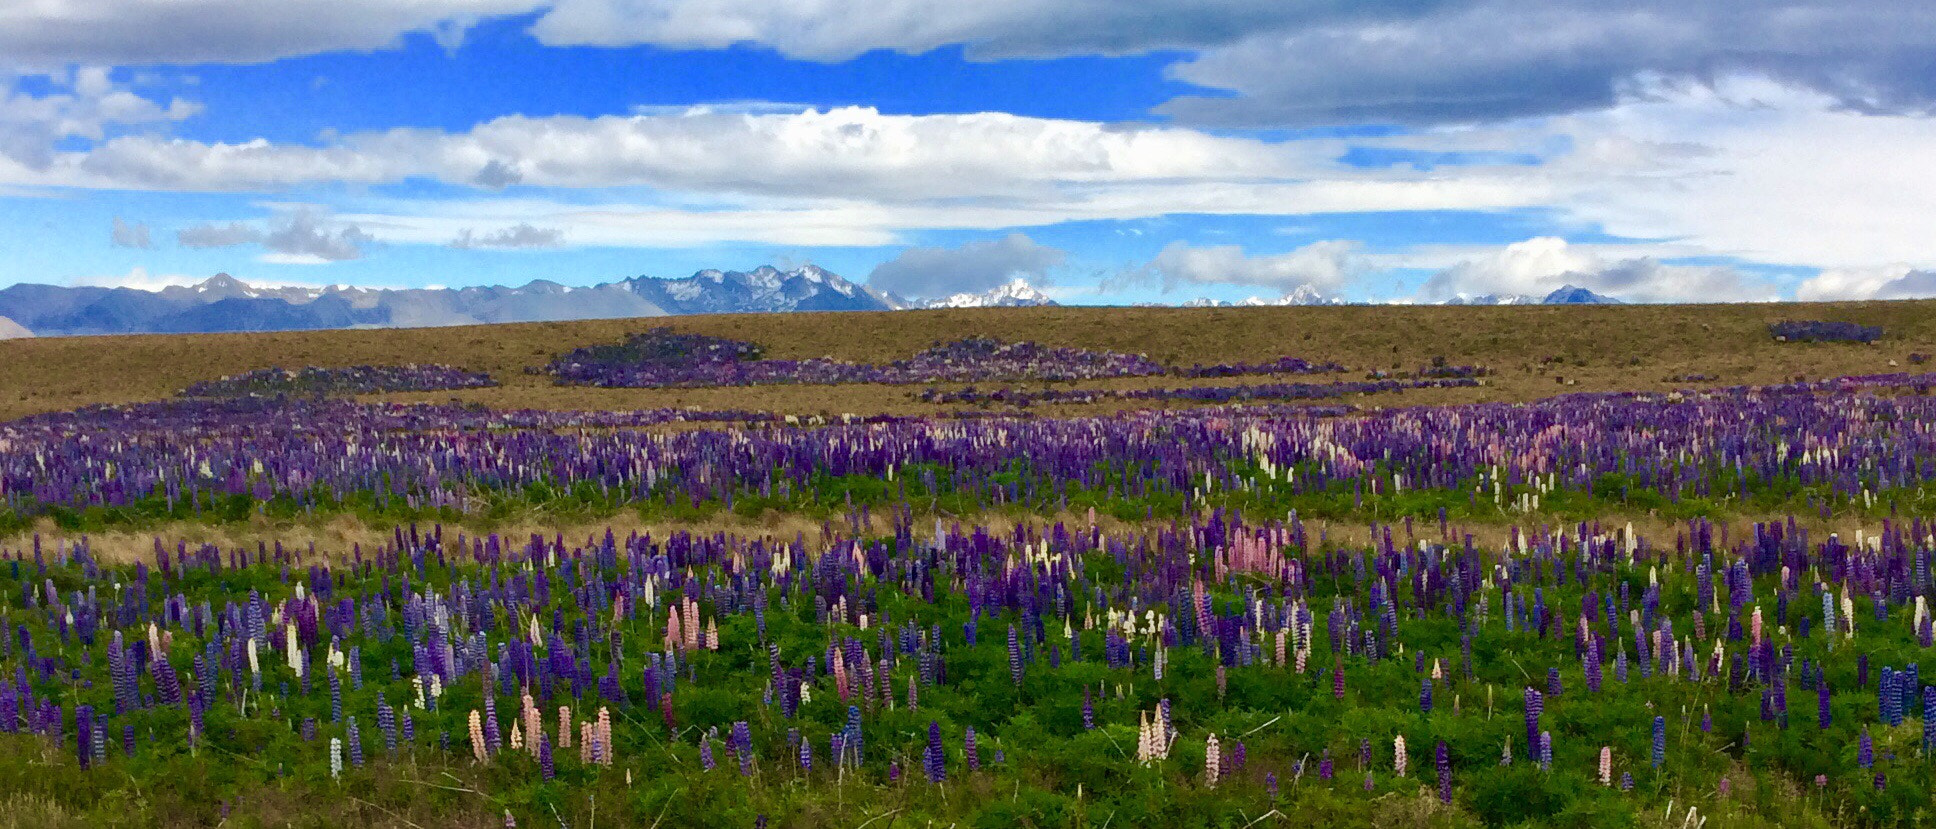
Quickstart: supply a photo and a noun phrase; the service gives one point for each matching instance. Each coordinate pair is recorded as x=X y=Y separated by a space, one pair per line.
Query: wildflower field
x=1293 y=583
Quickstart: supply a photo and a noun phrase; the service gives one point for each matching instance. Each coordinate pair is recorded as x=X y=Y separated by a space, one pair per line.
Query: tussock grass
x=1593 y=347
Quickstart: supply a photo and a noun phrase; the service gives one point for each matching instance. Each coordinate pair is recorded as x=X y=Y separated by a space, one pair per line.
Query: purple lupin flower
x=1325 y=768
x=355 y=740
x=1823 y=717
x=1929 y=718
x=743 y=747
x=1865 y=753
x=1534 y=705
x=84 y=732
x=1660 y=741
x=545 y=764
x=806 y=756
x=970 y=751
x=1425 y=696
x=1088 y=711
x=1444 y=763
x=932 y=760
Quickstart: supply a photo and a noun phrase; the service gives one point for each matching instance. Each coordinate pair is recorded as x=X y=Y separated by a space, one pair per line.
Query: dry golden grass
x=1621 y=347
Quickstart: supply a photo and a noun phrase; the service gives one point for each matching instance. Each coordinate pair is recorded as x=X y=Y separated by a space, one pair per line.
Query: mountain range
x=1307 y=295
x=223 y=303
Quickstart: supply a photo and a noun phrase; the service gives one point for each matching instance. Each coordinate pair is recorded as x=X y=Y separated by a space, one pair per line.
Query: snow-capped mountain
x=763 y=289
x=1565 y=295
x=224 y=303
x=1574 y=295
x=1493 y=299
x=1016 y=294
x=1301 y=295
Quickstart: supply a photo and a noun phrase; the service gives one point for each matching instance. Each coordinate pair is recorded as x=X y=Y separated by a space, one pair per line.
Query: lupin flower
x=1660 y=741
x=355 y=744
x=932 y=760
x=1443 y=761
x=479 y=749
x=1398 y=755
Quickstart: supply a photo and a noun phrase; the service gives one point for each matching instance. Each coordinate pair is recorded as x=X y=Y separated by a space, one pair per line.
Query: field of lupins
x=1593 y=610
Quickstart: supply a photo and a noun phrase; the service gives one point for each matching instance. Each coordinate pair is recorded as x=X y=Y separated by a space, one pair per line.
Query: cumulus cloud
x=1537 y=267
x=520 y=235
x=55 y=33
x=836 y=152
x=1321 y=266
x=1404 y=61
x=1889 y=282
x=1274 y=63
x=125 y=235
x=972 y=268
x=1751 y=168
x=299 y=238
x=302 y=237
x=85 y=103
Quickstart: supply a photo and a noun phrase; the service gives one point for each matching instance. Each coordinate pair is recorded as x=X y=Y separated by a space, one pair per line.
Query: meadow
x=1643 y=566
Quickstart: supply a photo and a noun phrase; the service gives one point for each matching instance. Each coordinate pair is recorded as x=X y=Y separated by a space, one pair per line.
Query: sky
x=1105 y=151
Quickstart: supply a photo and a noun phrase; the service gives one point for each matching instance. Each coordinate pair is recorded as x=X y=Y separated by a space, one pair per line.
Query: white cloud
x=830 y=30
x=86 y=103
x=55 y=33
x=971 y=268
x=848 y=176
x=298 y=238
x=1888 y=282
x=1537 y=267
x=520 y=235
x=1323 y=266
x=1753 y=169
x=832 y=153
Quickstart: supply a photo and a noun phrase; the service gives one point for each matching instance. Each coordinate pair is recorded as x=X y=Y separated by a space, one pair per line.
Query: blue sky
x=1387 y=150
